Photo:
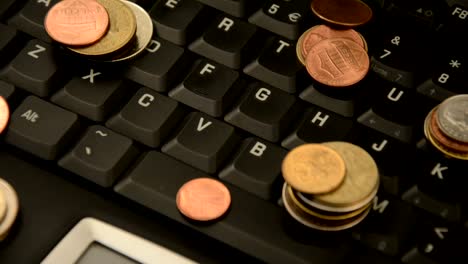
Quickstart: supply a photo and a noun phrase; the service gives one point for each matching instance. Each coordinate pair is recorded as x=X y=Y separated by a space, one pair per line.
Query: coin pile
x=335 y=54
x=329 y=186
x=9 y=207
x=446 y=127
x=101 y=30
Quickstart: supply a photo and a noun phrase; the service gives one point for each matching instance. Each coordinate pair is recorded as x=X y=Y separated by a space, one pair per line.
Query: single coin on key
x=452 y=117
x=12 y=208
x=77 y=22
x=313 y=169
x=337 y=62
x=4 y=114
x=203 y=199
x=348 y=13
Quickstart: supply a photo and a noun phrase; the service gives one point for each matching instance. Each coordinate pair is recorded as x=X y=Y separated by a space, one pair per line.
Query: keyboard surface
x=160 y=120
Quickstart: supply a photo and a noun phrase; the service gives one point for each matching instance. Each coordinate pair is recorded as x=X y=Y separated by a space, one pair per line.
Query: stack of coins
x=9 y=207
x=329 y=186
x=334 y=54
x=446 y=127
x=101 y=30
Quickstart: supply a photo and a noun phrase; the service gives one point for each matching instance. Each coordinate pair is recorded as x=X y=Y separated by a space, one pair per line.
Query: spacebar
x=252 y=225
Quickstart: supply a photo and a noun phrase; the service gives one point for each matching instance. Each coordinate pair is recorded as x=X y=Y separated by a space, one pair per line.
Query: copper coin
x=4 y=114
x=77 y=22
x=349 y=13
x=313 y=169
x=203 y=199
x=337 y=62
x=442 y=138
x=321 y=32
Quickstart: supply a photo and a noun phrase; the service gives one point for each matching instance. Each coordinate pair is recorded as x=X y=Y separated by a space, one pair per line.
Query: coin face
x=337 y=62
x=452 y=117
x=313 y=168
x=321 y=32
x=349 y=13
x=4 y=114
x=203 y=199
x=12 y=207
x=143 y=35
x=362 y=176
x=77 y=22
x=122 y=28
x=442 y=138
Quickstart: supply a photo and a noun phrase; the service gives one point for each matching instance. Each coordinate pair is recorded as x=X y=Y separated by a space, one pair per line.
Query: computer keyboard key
x=365 y=256
x=100 y=156
x=264 y=111
x=203 y=142
x=210 y=88
x=237 y=8
x=317 y=126
x=178 y=21
x=346 y=106
x=93 y=94
x=456 y=23
x=6 y=6
x=148 y=117
x=389 y=227
x=433 y=91
x=34 y=69
x=256 y=168
x=447 y=211
x=277 y=65
x=159 y=67
x=450 y=71
x=8 y=43
x=421 y=13
x=30 y=19
x=252 y=225
x=6 y=90
x=285 y=18
x=229 y=41
x=415 y=256
x=404 y=78
x=41 y=128
x=401 y=132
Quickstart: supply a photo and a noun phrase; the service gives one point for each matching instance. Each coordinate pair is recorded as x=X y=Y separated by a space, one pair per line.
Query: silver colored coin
x=452 y=117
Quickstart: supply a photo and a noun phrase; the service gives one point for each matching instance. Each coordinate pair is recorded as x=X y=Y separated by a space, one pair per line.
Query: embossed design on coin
x=203 y=199
x=313 y=168
x=348 y=13
x=12 y=208
x=452 y=117
x=321 y=32
x=77 y=22
x=337 y=62
x=4 y=114
x=440 y=137
x=122 y=28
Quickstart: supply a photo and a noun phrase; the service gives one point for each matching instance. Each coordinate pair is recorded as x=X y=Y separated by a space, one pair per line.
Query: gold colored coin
x=317 y=223
x=3 y=206
x=313 y=169
x=315 y=213
x=121 y=31
x=12 y=208
x=362 y=177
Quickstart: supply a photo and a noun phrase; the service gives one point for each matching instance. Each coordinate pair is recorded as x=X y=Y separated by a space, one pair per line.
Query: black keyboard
x=205 y=100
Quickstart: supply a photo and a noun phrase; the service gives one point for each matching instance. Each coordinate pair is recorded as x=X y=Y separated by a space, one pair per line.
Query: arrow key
x=100 y=156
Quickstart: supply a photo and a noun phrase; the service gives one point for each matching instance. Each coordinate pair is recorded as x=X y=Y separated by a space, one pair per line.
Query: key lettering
x=258 y=149
x=391 y=96
x=153 y=46
x=319 y=117
x=38 y=50
x=202 y=126
x=172 y=3
x=379 y=147
x=262 y=94
x=461 y=13
x=440 y=231
x=207 y=68
x=376 y=206
x=282 y=45
x=31 y=116
x=273 y=9
x=145 y=100
x=386 y=53
x=429 y=247
x=91 y=76
x=438 y=169
x=226 y=23
x=45 y=2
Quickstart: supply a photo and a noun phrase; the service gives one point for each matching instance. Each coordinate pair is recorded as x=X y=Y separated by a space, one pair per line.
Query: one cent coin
x=337 y=62
x=4 y=114
x=313 y=169
x=321 y=32
x=12 y=208
x=452 y=117
x=442 y=138
x=203 y=199
x=349 y=13
x=121 y=31
x=77 y=22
